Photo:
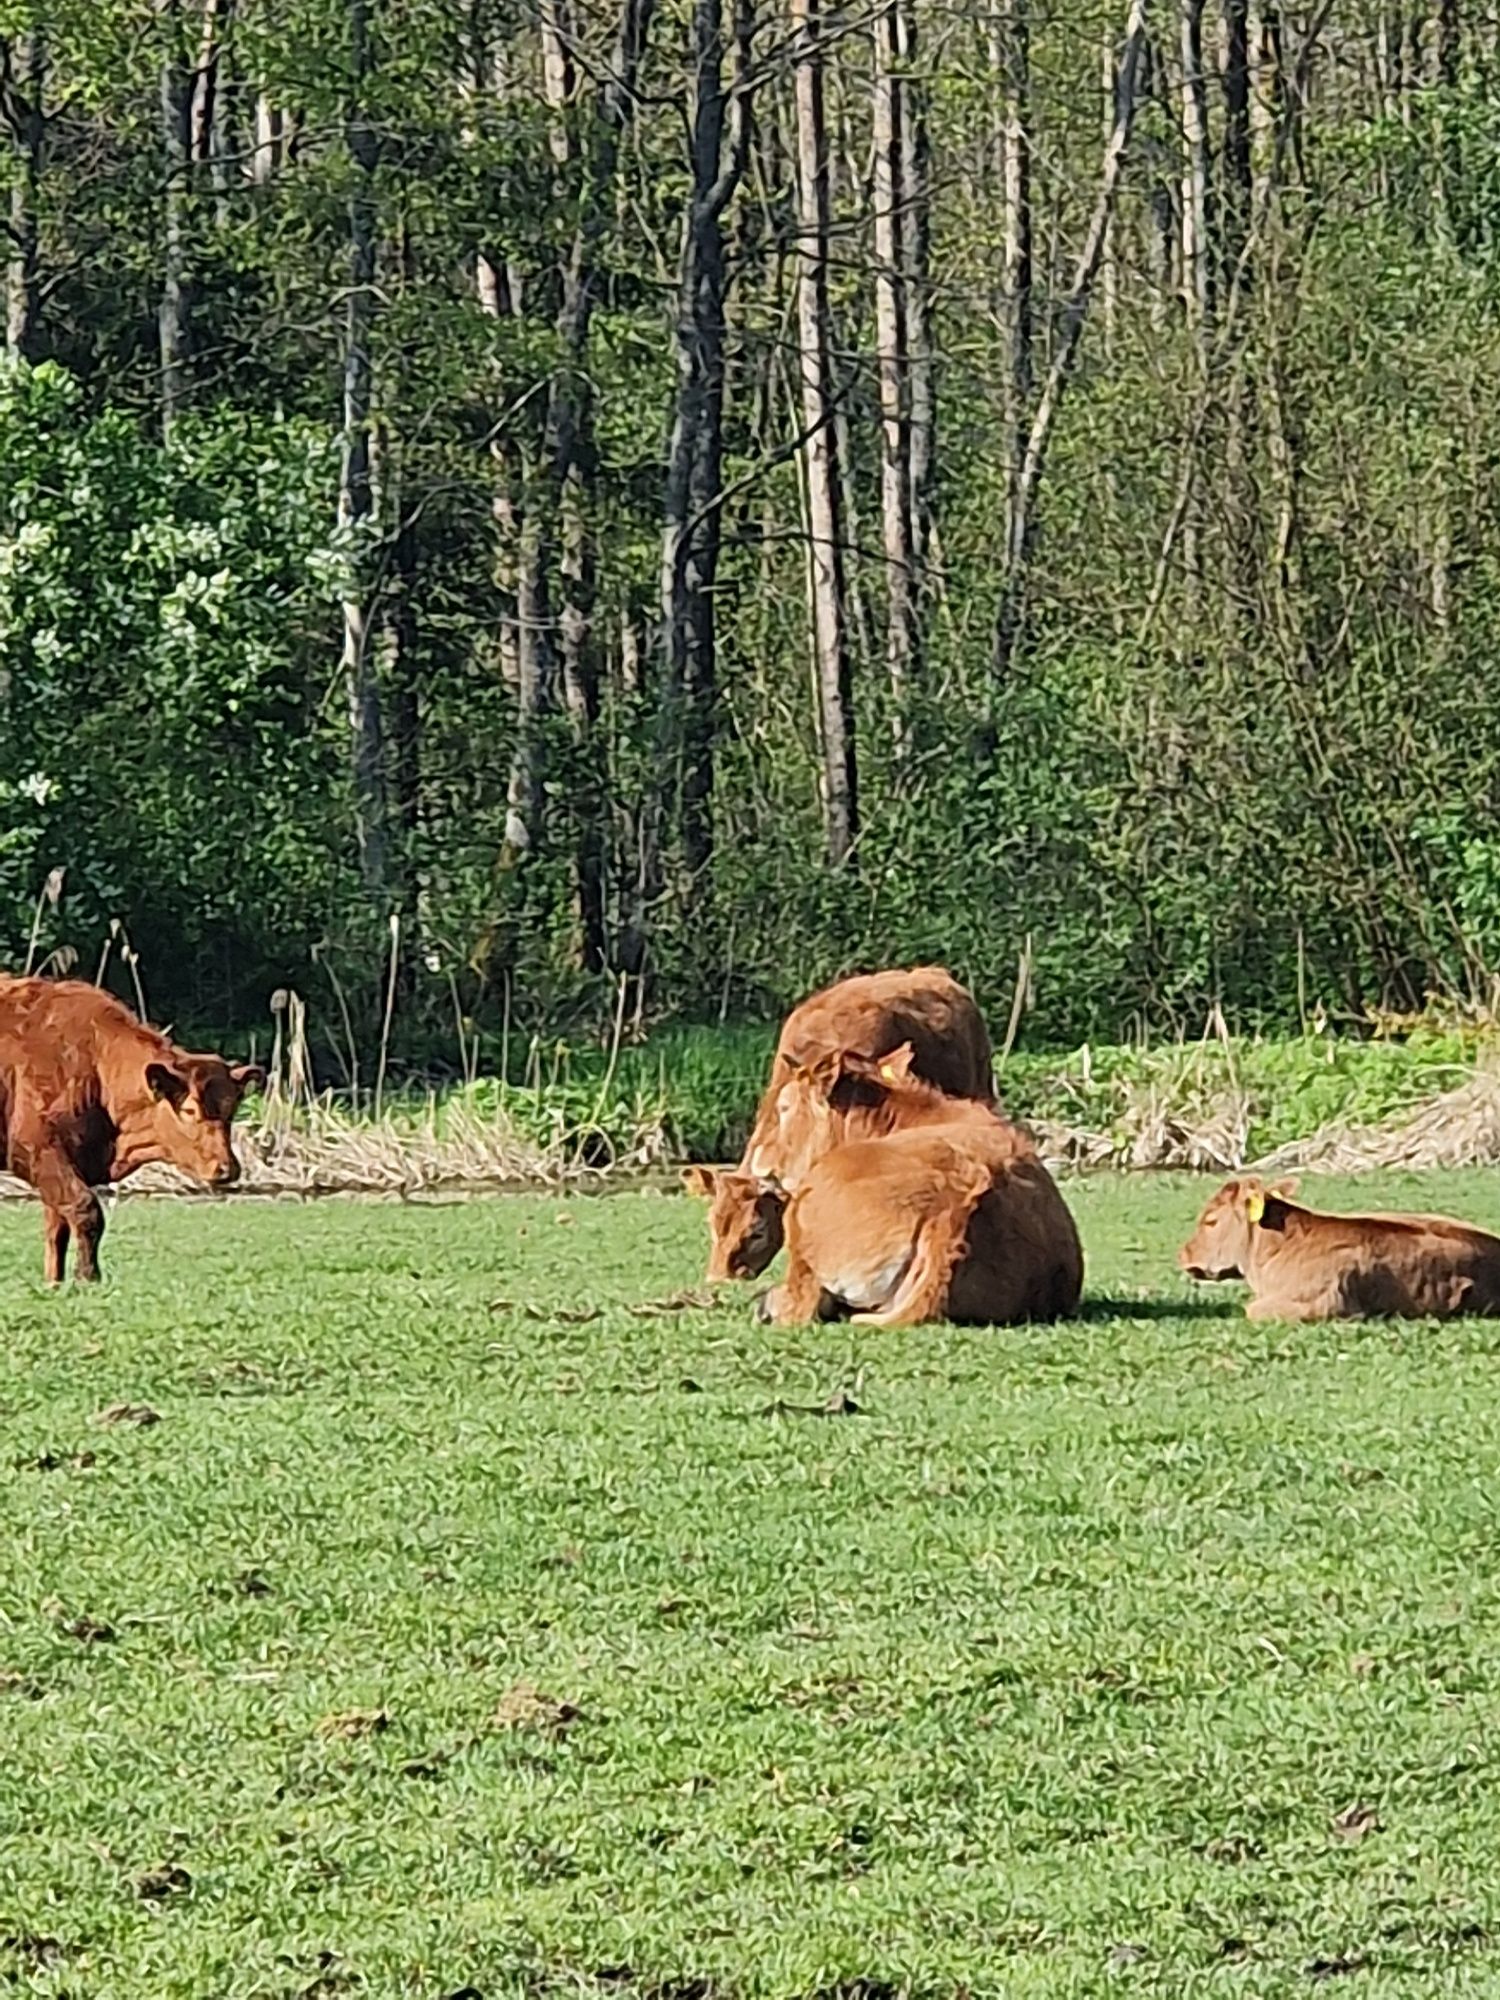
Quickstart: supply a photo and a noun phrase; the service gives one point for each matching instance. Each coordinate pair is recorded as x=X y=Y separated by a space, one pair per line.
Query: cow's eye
x=190 y=1110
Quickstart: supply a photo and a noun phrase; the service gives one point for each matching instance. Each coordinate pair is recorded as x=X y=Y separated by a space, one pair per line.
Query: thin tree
x=357 y=514
x=557 y=537
x=892 y=221
x=914 y=200
x=1011 y=49
x=1017 y=554
x=718 y=147
x=177 y=82
x=23 y=88
x=1197 y=262
x=1197 y=267
x=1234 y=210
x=820 y=472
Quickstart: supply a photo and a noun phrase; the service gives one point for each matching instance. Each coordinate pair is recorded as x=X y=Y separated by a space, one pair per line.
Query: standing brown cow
x=88 y=1094
x=869 y=1015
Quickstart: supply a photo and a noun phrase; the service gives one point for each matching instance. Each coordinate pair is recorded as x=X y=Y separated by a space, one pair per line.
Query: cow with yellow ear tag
x=1301 y=1263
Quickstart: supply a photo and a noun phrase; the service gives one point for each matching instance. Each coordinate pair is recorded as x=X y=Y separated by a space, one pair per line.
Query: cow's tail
x=922 y=1293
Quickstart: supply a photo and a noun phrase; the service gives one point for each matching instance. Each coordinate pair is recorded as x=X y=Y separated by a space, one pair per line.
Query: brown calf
x=937 y=1209
x=1301 y=1264
x=88 y=1094
x=868 y=1015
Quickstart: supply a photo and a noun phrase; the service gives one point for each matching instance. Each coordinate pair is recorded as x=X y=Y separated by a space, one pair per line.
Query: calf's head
x=813 y=1105
x=188 y=1108
x=745 y=1220
x=1220 y=1244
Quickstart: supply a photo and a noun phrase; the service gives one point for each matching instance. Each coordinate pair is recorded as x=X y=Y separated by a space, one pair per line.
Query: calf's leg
x=799 y=1299
x=73 y=1211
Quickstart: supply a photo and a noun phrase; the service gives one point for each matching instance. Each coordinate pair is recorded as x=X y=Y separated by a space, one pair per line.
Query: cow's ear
x=1284 y=1189
x=699 y=1181
x=166 y=1083
x=249 y=1076
x=896 y=1067
x=824 y=1072
x=1254 y=1198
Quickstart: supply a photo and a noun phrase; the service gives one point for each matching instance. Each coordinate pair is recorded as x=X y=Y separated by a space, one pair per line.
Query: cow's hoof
x=760 y=1310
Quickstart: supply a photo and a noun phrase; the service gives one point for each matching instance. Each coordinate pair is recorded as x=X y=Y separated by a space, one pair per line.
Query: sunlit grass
x=481 y=1616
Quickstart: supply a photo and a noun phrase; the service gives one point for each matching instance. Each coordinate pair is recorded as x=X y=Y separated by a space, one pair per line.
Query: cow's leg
x=922 y=1293
x=73 y=1211
x=1288 y=1309
x=58 y=1235
x=796 y=1301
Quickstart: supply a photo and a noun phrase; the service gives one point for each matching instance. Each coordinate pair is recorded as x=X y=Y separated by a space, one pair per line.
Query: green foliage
x=163 y=745
x=1244 y=759
x=1140 y=1652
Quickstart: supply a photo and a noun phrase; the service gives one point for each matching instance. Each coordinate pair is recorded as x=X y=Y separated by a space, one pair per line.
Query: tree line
x=581 y=506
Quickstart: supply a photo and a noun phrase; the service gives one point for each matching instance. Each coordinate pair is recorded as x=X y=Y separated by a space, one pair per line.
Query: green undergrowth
x=697 y=1087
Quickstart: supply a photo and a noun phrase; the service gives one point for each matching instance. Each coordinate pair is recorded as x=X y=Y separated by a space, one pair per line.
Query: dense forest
x=646 y=504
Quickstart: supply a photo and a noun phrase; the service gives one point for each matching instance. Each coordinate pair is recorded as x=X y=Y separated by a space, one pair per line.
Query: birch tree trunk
x=1270 y=115
x=1161 y=194
x=23 y=90
x=825 y=546
x=357 y=514
x=269 y=153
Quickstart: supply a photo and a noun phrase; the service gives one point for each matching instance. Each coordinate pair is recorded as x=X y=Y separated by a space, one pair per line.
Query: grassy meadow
x=483 y=1615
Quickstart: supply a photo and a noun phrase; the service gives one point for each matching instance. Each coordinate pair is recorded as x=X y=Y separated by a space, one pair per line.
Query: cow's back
x=870 y=1015
x=873 y=1013
x=51 y=1034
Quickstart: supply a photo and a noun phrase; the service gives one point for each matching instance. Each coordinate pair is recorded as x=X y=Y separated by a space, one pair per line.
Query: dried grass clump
x=1154 y=1132
x=1460 y=1128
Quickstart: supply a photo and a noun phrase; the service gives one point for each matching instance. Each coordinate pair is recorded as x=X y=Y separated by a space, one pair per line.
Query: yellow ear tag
x=888 y=1073
x=1255 y=1206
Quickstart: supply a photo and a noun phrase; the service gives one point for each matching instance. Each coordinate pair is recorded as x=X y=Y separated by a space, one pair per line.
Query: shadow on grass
x=1106 y=1306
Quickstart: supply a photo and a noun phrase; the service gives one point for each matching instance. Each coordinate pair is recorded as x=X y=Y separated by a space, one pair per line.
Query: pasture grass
x=479 y=1618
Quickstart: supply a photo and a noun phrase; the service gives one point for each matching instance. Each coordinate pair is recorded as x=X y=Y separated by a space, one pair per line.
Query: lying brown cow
x=868 y=1015
x=1300 y=1264
x=925 y=1207
x=88 y=1094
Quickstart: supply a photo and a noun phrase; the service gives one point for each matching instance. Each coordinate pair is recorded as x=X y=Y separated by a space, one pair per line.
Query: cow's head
x=745 y=1220
x=1220 y=1245
x=190 y=1103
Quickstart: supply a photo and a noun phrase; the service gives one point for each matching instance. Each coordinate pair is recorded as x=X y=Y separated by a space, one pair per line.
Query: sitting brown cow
x=869 y=1015
x=1300 y=1264
x=922 y=1207
x=88 y=1094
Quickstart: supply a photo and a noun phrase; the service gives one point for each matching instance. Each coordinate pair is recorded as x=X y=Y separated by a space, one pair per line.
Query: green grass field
x=463 y=1628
